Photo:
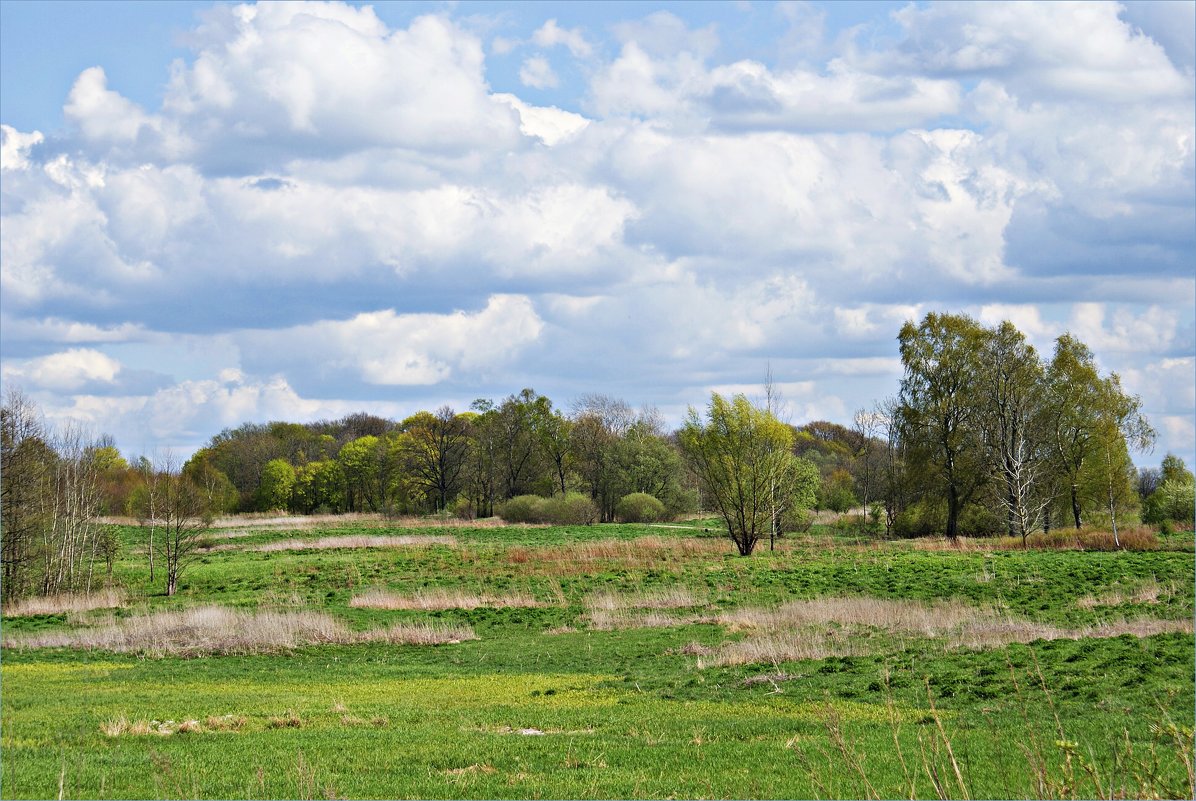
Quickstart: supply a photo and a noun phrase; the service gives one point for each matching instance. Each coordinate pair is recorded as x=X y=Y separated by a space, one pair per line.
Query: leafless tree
x=184 y=516
x=26 y=462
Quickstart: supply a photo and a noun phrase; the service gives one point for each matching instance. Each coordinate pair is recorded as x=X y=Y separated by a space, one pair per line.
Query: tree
x=939 y=409
x=360 y=460
x=743 y=457
x=1120 y=426
x=184 y=516
x=1074 y=398
x=26 y=462
x=277 y=484
x=437 y=449
x=1173 y=498
x=1015 y=419
x=869 y=458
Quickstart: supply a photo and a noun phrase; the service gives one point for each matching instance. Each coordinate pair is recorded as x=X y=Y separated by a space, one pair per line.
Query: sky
x=213 y=214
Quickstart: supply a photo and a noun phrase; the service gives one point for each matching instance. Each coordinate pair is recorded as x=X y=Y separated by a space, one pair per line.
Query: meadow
x=357 y=657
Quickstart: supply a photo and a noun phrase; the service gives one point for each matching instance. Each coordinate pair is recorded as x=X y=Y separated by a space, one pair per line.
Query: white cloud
x=550 y=34
x=549 y=124
x=1042 y=49
x=15 y=147
x=1152 y=331
x=537 y=73
x=388 y=349
x=66 y=371
x=311 y=165
x=271 y=79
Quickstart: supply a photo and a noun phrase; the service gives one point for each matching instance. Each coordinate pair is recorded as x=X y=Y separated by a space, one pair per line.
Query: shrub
x=921 y=519
x=523 y=509
x=463 y=509
x=639 y=507
x=570 y=509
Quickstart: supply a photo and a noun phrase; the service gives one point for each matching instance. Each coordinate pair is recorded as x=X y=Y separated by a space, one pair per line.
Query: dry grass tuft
x=219 y=630
x=1137 y=538
x=123 y=727
x=76 y=604
x=421 y=634
x=578 y=558
x=602 y=620
x=225 y=722
x=438 y=599
x=1009 y=631
x=288 y=720
x=560 y=630
x=665 y=598
x=913 y=617
x=1148 y=593
x=354 y=541
x=800 y=630
x=788 y=646
x=470 y=770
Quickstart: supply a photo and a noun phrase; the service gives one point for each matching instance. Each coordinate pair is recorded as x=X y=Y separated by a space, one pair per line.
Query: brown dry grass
x=998 y=633
x=604 y=620
x=909 y=617
x=123 y=727
x=219 y=630
x=580 y=558
x=1148 y=593
x=799 y=630
x=782 y=647
x=67 y=603
x=438 y=599
x=352 y=541
x=1135 y=538
x=663 y=598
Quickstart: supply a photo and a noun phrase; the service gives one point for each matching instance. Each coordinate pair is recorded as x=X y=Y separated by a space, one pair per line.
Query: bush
x=570 y=509
x=639 y=507
x=1172 y=502
x=921 y=519
x=463 y=509
x=523 y=509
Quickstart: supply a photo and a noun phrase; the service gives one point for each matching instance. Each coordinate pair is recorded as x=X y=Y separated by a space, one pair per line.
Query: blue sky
x=216 y=213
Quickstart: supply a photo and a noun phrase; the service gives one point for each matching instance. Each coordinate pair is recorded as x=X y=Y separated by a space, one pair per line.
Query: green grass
x=620 y=713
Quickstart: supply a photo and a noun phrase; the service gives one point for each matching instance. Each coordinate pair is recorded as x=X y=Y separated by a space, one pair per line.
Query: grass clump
x=439 y=599
x=67 y=603
x=219 y=630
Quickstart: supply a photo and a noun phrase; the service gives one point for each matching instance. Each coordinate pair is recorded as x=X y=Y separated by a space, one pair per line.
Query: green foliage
x=639 y=507
x=522 y=509
x=835 y=492
x=570 y=509
x=278 y=482
x=743 y=457
x=1174 y=501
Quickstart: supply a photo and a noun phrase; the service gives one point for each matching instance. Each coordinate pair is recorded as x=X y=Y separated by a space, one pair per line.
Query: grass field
x=362 y=658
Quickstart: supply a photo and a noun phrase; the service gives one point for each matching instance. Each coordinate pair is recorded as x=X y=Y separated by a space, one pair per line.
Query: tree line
x=983 y=436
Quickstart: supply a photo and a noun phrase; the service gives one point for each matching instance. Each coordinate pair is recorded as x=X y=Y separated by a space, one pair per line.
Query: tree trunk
x=952 y=512
x=1075 y=504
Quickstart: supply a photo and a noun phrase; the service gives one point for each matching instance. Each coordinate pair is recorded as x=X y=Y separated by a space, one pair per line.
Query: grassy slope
x=624 y=713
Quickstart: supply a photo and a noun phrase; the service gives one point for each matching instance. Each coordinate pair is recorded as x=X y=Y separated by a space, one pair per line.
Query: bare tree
x=185 y=517
x=26 y=461
x=867 y=425
x=70 y=542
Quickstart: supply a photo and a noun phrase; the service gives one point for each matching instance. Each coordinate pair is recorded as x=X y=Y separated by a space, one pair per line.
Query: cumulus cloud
x=66 y=371
x=550 y=34
x=318 y=190
x=387 y=349
x=15 y=147
x=537 y=73
x=1044 y=50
